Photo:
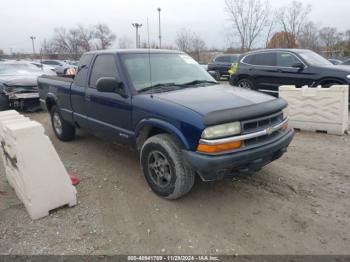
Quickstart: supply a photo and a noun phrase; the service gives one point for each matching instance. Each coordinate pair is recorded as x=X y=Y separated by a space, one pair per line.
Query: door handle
x=87 y=98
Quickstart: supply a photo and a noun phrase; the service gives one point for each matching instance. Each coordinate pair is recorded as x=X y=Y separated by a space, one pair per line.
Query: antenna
x=149 y=46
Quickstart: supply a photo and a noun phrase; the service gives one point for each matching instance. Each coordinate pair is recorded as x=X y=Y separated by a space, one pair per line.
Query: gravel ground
x=299 y=204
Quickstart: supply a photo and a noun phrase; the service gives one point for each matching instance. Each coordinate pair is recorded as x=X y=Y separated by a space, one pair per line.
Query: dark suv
x=266 y=70
x=221 y=64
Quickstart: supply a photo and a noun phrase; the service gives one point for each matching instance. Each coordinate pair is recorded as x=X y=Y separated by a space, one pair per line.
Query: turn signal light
x=285 y=126
x=203 y=148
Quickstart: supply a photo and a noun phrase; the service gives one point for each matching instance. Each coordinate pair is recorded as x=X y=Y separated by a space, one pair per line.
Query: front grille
x=258 y=124
x=260 y=139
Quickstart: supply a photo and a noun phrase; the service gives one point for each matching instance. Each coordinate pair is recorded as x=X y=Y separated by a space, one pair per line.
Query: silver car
x=60 y=66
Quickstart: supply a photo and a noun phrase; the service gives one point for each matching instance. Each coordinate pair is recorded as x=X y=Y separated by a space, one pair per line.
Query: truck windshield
x=171 y=70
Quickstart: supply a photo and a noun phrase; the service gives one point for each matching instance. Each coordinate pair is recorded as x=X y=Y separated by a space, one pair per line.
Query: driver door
x=109 y=114
x=288 y=74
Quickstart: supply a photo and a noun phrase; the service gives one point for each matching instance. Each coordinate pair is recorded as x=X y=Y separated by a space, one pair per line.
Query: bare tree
x=249 y=18
x=124 y=42
x=293 y=17
x=329 y=37
x=86 y=35
x=60 y=41
x=347 y=36
x=197 y=46
x=270 y=28
x=47 y=48
x=75 y=41
x=309 y=36
x=183 y=40
x=104 y=36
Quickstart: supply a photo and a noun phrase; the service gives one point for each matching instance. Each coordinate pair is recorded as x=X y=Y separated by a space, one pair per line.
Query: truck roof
x=135 y=51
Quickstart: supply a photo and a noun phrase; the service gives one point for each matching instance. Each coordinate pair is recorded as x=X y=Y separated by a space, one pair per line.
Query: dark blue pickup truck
x=182 y=122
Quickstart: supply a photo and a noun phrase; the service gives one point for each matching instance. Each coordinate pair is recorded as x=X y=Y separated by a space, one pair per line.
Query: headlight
x=223 y=130
x=348 y=76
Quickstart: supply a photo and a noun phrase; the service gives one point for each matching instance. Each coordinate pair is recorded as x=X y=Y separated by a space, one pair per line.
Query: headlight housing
x=348 y=76
x=223 y=130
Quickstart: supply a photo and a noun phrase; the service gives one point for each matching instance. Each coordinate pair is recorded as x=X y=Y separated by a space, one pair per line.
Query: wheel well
x=243 y=77
x=329 y=81
x=50 y=103
x=147 y=132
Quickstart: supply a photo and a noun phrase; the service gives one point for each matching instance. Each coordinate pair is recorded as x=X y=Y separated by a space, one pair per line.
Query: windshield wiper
x=197 y=82
x=159 y=86
x=170 y=86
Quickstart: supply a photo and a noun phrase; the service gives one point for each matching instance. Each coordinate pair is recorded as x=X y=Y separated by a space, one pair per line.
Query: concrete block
x=33 y=167
x=317 y=109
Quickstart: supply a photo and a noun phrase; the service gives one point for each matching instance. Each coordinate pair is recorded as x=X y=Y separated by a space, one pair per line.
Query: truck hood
x=207 y=99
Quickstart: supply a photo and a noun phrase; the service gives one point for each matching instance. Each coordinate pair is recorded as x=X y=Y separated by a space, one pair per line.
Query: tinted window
x=223 y=59
x=104 y=66
x=83 y=69
x=262 y=59
x=233 y=59
x=286 y=59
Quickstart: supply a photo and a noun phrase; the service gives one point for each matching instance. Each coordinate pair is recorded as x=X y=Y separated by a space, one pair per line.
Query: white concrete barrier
x=317 y=109
x=33 y=167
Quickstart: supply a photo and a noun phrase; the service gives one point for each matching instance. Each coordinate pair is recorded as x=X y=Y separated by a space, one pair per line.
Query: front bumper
x=213 y=167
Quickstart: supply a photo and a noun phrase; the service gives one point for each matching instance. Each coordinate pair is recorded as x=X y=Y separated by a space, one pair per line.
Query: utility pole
x=137 y=26
x=33 y=38
x=160 y=35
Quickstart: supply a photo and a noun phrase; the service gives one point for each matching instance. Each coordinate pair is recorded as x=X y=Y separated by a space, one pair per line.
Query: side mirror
x=300 y=66
x=110 y=85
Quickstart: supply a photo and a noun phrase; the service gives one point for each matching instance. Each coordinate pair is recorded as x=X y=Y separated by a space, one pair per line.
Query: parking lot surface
x=299 y=204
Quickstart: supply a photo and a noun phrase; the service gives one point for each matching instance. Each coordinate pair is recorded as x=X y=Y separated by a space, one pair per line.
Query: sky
x=20 y=19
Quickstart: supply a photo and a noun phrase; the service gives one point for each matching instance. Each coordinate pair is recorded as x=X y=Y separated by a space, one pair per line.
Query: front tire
x=245 y=83
x=63 y=130
x=217 y=76
x=164 y=168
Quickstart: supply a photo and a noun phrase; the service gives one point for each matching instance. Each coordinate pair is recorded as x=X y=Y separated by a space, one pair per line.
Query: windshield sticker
x=188 y=59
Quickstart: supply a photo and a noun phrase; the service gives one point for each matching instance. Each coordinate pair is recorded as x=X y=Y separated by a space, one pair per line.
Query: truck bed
x=53 y=86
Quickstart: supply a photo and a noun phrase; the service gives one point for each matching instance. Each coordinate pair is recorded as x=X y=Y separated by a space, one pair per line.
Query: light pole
x=33 y=38
x=137 y=26
x=160 y=35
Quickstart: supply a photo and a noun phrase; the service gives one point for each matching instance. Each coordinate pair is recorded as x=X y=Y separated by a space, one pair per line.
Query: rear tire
x=63 y=130
x=164 y=168
x=4 y=102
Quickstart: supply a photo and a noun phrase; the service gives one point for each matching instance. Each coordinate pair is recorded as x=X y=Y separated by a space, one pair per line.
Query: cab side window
x=222 y=59
x=81 y=76
x=261 y=59
x=104 y=66
x=286 y=59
